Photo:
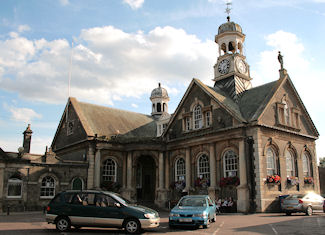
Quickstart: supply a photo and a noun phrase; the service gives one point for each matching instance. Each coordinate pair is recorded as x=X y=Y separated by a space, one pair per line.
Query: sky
x=117 y=51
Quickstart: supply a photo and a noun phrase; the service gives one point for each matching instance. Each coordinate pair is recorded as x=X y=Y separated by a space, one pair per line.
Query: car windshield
x=295 y=196
x=199 y=202
x=121 y=199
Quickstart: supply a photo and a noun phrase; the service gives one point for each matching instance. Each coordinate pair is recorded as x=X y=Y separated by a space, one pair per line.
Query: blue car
x=193 y=210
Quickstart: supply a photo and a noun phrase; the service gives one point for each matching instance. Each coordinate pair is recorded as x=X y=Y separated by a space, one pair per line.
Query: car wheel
x=132 y=226
x=288 y=213
x=63 y=224
x=207 y=225
x=309 y=211
x=214 y=219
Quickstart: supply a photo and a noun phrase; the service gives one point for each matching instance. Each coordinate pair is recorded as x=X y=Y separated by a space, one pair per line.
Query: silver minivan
x=302 y=203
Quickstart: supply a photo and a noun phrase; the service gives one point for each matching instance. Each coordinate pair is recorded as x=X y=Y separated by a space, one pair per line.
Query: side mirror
x=117 y=204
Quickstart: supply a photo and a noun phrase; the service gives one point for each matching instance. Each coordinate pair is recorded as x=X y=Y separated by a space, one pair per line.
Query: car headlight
x=173 y=215
x=149 y=216
x=204 y=214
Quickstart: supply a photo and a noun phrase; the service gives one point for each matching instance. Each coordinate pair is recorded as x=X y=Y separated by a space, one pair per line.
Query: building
x=226 y=140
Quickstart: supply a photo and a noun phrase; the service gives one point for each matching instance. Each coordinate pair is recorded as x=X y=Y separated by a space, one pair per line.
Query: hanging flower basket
x=292 y=180
x=202 y=183
x=178 y=185
x=308 y=180
x=234 y=180
x=273 y=179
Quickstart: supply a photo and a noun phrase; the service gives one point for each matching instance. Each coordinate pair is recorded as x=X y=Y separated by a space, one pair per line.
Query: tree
x=322 y=162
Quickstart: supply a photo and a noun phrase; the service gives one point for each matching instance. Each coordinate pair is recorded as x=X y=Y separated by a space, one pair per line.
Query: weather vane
x=228 y=9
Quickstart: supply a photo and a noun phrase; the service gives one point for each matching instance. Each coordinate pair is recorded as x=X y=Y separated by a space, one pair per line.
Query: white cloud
x=134 y=4
x=307 y=80
x=64 y=2
x=134 y=105
x=23 y=28
x=108 y=64
x=23 y=114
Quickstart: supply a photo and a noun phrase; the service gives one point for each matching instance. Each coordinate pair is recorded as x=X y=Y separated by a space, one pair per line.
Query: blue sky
x=122 y=48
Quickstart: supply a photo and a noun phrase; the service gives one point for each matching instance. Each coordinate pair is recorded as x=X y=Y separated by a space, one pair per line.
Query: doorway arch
x=145 y=179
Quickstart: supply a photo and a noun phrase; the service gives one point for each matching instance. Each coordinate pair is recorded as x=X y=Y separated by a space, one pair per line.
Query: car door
x=109 y=212
x=83 y=210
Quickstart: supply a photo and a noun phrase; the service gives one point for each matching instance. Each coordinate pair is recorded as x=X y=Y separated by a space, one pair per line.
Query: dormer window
x=208 y=118
x=70 y=125
x=197 y=114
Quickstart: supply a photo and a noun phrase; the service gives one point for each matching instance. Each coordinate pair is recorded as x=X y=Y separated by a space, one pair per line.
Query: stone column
x=97 y=169
x=212 y=158
x=91 y=167
x=188 y=169
x=167 y=172
x=129 y=170
x=161 y=170
x=242 y=189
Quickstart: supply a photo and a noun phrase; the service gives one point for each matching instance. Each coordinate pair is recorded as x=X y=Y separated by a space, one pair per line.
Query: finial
x=159 y=84
x=280 y=59
x=228 y=10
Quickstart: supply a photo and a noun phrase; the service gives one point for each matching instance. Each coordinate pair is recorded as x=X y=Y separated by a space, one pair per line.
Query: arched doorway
x=146 y=179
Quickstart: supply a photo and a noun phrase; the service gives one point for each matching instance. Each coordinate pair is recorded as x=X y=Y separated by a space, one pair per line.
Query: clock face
x=223 y=67
x=241 y=66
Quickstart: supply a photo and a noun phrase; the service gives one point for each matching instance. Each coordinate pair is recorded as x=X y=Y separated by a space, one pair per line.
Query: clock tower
x=231 y=72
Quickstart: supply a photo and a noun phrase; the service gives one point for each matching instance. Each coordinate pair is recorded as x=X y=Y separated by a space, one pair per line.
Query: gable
x=286 y=110
x=182 y=123
x=70 y=129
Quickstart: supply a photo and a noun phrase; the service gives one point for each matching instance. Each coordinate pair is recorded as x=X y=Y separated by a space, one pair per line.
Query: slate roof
x=254 y=100
x=106 y=121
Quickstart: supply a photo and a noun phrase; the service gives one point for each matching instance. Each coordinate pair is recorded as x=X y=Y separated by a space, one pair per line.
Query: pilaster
x=91 y=167
x=242 y=189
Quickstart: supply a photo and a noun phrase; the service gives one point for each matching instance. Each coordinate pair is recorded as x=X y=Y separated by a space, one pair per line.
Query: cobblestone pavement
x=264 y=223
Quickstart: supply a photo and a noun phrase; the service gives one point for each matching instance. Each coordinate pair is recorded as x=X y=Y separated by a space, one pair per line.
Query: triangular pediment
x=225 y=112
x=284 y=109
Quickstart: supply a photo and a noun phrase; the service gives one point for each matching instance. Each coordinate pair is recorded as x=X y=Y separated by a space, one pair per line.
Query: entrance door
x=146 y=179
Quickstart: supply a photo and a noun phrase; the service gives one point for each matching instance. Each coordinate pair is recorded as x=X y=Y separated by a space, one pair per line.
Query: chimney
x=27 y=139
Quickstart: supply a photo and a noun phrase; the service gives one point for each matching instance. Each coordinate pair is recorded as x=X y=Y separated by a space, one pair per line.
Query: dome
x=159 y=92
x=229 y=27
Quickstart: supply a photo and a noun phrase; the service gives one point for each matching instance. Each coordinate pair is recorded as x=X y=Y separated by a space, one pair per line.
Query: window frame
x=203 y=165
x=15 y=180
x=180 y=172
x=197 y=117
x=233 y=166
x=274 y=161
x=51 y=195
x=293 y=171
x=306 y=164
x=105 y=172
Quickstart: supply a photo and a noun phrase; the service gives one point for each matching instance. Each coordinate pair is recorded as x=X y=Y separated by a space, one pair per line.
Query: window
x=180 y=170
x=159 y=107
x=109 y=170
x=197 y=117
x=15 y=188
x=77 y=184
x=70 y=128
x=208 y=118
x=187 y=123
x=290 y=164
x=204 y=167
x=48 y=187
x=306 y=166
x=270 y=162
x=230 y=163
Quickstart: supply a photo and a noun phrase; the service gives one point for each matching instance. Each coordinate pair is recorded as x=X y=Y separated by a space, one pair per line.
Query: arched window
x=109 y=170
x=48 y=187
x=306 y=165
x=230 y=164
x=180 y=170
x=158 y=107
x=271 y=162
x=290 y=164
x=15 y=188
x=203 y=167
x=197 y=117
x=77 y=184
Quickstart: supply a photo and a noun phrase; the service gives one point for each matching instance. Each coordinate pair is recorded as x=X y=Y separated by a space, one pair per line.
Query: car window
x=295 y=196
x=121 y=199
x=68 y=197
x=195 y=202
x=85 y=199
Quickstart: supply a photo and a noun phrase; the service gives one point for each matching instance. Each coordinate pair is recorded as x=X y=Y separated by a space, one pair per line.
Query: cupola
x=159 y=98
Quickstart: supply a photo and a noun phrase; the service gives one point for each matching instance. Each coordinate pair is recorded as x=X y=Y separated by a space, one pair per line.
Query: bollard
x=8 y=210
